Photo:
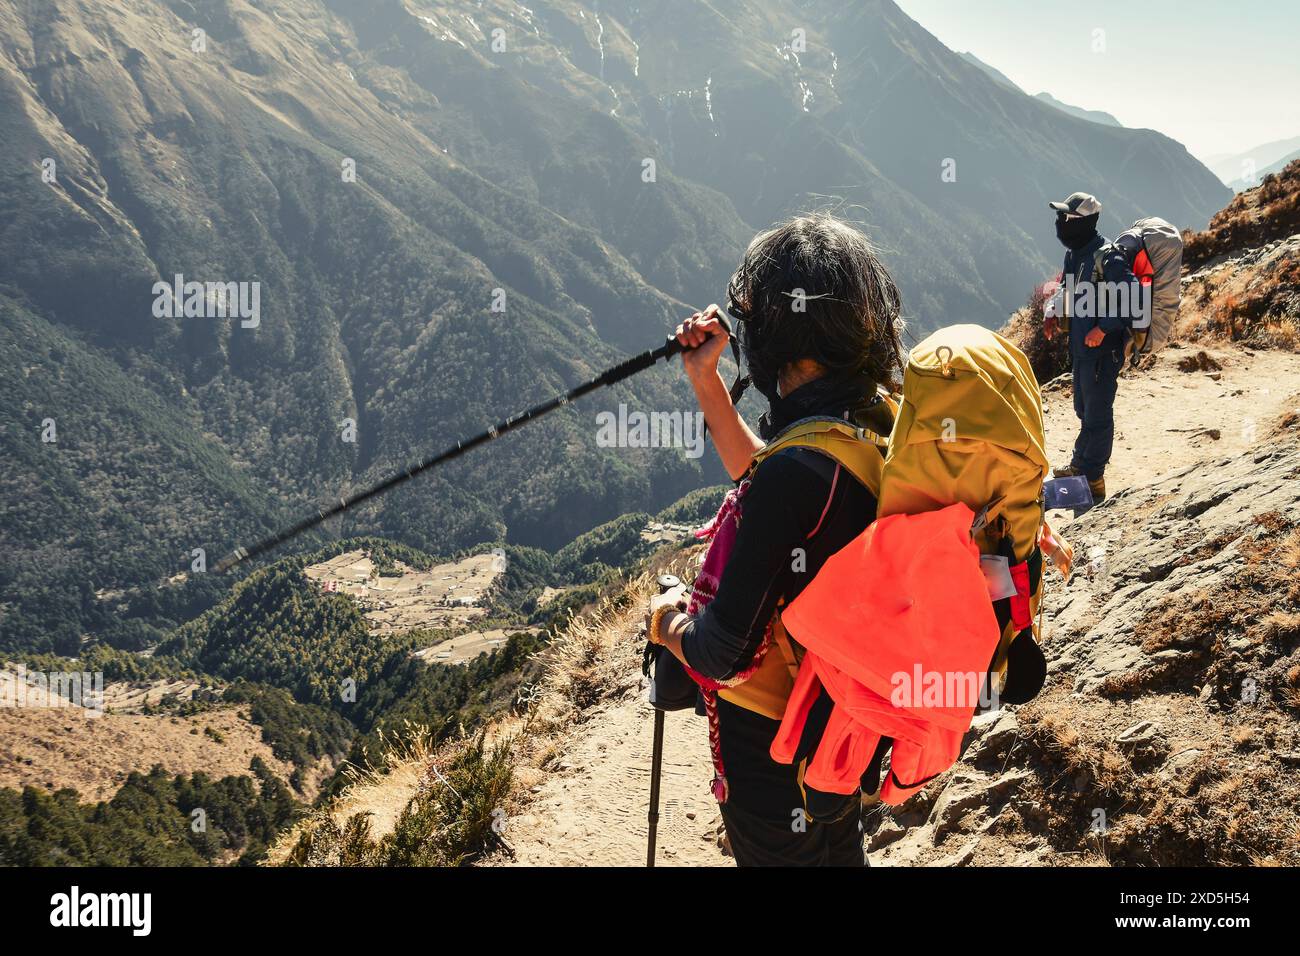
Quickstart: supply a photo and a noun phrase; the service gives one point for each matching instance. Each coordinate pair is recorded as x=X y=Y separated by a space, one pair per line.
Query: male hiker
x=1098 y=325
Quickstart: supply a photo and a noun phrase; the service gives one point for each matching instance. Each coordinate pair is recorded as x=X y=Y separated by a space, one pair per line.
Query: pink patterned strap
x=721 y=535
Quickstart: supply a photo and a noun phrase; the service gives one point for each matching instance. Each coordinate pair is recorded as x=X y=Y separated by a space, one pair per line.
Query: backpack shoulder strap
x=859 y=451
x=1098 y=258
x=1098 y=265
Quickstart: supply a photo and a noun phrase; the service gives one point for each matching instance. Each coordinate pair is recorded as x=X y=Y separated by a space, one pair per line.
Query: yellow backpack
x=970 y=429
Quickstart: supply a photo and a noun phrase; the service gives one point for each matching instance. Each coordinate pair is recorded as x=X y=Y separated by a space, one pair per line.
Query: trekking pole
x=666 y=583
x=638 y=363
x=656 y=764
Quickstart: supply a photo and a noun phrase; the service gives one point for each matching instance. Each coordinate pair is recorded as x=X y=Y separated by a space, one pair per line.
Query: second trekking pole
x=666 y=583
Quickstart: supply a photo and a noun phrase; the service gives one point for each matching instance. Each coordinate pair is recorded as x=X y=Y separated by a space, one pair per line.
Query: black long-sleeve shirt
x=800 y=509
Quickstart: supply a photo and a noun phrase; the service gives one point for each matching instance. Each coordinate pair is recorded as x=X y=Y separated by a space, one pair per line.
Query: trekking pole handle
x=666 y=583
x=671 y=347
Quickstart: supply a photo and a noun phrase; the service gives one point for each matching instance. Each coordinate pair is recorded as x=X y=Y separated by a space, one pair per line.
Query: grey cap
x=1078 y=204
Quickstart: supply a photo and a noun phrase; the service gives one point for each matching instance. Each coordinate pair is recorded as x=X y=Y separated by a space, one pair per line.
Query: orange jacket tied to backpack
x=903 y=651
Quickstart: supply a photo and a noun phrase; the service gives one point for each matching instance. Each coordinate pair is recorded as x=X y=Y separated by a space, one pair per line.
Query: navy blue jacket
x=1115 y=268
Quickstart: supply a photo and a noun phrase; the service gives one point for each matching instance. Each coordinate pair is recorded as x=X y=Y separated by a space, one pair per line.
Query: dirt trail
x=590 y=809
x=1166 y=418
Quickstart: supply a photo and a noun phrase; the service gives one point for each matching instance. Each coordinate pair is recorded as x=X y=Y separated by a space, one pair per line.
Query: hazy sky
x=1219 y=77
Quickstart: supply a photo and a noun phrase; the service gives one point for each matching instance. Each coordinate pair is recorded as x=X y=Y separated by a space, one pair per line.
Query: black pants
x=765 y=816
x=1096 y=379
x=764 y=841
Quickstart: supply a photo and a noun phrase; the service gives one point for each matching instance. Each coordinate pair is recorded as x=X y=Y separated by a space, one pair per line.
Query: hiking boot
x=1070 y=472
x=1098 y=488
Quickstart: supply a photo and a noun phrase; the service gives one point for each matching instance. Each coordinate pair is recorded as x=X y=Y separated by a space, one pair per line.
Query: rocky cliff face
x=1167 y=734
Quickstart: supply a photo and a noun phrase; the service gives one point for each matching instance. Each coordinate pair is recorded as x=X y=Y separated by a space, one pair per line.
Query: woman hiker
x=819 y=328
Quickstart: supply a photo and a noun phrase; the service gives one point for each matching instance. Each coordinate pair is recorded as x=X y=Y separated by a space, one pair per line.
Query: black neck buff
x=827 y=396
x=1075 y=232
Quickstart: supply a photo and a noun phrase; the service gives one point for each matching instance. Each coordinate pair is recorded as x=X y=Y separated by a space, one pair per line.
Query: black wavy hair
x=813 y=287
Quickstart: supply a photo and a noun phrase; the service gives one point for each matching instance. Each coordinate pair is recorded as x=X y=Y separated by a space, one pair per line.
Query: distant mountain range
x=1242 y=171
x=1093 y=116
x=446 y=212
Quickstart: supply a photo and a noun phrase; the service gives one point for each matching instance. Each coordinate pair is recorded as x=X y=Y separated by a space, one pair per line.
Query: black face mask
x=1076 y=232
x=826 y=396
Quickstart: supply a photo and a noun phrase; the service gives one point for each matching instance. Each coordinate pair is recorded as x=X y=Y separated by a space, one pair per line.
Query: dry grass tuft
x=447 y=818
x=1243 y=737
x=597 y=656
x=1253 y=296
x=1254 y=217
x=1095 y=768
x=1288 y=552
x=593 y=656
x=1025 y=330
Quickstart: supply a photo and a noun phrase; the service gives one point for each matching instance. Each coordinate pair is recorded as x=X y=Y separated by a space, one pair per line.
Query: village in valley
x=448 y=597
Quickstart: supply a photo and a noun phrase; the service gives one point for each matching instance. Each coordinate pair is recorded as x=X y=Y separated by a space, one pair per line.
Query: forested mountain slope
x=449 y=212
